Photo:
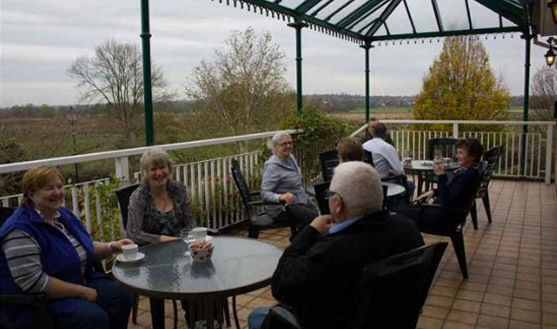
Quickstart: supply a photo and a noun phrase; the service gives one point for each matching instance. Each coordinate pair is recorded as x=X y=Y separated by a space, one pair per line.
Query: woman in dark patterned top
x=159 y=208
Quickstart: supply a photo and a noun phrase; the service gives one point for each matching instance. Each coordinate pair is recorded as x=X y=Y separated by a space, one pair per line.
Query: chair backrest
x=328 y=160
x=486 y=172
x=493 y=154
x=241 y=184
x=322 y=196
x=5 y=213
x=368 y=158
x=394 y=290
x=447 y=146
x=123 y=195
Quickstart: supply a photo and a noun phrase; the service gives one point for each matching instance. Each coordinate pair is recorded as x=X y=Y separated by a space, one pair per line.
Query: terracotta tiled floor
x=512 y=264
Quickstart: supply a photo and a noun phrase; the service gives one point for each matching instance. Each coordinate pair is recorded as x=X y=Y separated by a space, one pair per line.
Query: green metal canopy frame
x=369 y=22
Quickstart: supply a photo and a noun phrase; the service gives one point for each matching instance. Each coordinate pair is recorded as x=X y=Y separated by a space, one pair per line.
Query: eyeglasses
x=331 y=194
x=285 y=143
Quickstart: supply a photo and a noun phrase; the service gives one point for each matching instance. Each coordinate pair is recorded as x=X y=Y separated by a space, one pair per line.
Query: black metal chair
x=368 y=158
x=258 y=220
x=328 y=160
x=491 y=160
x=392 y=292
x=322 y=197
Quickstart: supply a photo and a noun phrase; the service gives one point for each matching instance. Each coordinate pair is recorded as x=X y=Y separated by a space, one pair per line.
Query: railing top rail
x=467 y=122
x=21 y=166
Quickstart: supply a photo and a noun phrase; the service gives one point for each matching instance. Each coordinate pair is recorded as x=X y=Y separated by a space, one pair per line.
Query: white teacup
x=199 y=233
x=130 y=251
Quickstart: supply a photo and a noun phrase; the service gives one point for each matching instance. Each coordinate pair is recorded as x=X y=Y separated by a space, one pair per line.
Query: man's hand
x=288 y=198
x=322 y=224
x=425 y=196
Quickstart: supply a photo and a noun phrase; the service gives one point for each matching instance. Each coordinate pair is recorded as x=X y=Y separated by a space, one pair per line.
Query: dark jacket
x=459 y=190
x=58 y=256
x=318 y=276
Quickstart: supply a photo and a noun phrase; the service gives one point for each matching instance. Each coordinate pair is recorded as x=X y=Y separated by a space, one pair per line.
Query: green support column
x=527 y=38
x=366 y=47
x=147 y=93
x=298 y=25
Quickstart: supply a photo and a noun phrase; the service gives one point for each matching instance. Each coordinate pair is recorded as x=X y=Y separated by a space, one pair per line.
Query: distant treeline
x=327 y=102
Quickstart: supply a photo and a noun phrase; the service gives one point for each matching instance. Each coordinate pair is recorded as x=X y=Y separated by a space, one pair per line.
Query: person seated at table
x=349 y=149
x=317 y=276
x=46 y=249
x=282 y=184
x=385 y=157
x=369 y=135
x=455 y=192
x=159 y=208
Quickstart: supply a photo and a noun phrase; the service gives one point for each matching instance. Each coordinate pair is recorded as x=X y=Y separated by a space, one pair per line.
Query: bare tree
x=114 y=76
x=243 y=87
x=544 y=93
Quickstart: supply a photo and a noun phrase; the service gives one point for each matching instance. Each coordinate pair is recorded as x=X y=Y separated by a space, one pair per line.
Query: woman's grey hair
x=276 y=139
x=154 y=157
x=359 y=186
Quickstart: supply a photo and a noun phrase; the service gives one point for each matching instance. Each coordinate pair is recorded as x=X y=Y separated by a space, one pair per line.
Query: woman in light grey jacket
x=282 y=183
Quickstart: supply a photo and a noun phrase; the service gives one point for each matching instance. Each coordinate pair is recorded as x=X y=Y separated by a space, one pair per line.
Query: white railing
x=209 y=183
x=524 y=155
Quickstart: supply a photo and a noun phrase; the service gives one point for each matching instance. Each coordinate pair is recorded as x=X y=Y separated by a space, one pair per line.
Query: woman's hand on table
x=288 y=198
x=166 y=238
x=425 y=196
x=116 y=246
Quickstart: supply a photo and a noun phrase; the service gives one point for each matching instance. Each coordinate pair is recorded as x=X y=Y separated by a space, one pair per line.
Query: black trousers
x=301 y=214
x=435 y=219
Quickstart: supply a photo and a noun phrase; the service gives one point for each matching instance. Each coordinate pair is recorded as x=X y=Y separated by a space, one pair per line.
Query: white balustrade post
x=548 y=153
x=122 y=169
x=455 y=130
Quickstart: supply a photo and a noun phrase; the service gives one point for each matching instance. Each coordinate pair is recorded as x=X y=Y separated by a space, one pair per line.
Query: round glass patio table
x=238 y=265
x=424 y=170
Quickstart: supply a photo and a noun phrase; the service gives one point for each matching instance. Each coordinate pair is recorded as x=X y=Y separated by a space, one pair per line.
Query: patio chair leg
x=458 y=244
x=235 y=312
x=474 y=215
x=135 y=303
x=253 y=232
x=487 y=207
x=175 y=309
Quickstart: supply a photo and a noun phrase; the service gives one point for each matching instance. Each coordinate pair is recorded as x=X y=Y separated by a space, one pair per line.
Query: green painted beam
x=437 y=15
x=469 y=15
x=446 y=33
x=338 y=10
x=510 y=10
x=321 y=8
x=305 y=6
x=383 y=17
x=146 y=54
x=410 y=16
x=371 y=12
x=360 y=11
x=306 y=18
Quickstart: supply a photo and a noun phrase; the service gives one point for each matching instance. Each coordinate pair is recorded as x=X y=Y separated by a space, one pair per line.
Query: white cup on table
x=130 y=251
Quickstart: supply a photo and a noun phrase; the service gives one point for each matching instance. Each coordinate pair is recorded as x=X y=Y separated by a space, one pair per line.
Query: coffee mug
x=130 y=251
x=199 y=233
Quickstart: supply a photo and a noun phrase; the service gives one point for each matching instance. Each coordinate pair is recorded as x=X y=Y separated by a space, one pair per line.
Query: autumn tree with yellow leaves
x=460 y=85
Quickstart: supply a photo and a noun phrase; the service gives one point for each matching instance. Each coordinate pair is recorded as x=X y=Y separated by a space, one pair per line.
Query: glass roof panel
x=507 y=23
x=290 y=3
x=347 y=10
x=380 y=31
x=331 y=8
x=398 y=22
x=482 y=17
x=365 y=22
x=423 y=15
x=453 y=14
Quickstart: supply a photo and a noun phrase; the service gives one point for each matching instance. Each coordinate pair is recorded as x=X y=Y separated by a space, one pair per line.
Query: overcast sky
x=40 y=39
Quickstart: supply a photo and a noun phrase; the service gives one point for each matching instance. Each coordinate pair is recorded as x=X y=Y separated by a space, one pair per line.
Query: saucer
x=121 y=258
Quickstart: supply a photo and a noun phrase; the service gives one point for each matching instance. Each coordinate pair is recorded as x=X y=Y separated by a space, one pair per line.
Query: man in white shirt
x=385 y=156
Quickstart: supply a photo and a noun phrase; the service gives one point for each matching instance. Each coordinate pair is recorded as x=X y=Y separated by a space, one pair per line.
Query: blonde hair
x=37 y=178
x=153 y=157
x=359 y=186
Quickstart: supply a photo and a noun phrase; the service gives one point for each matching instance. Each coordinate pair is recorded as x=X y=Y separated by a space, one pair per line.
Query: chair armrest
x=262 y=203
x=284 y=316
x=255 y=193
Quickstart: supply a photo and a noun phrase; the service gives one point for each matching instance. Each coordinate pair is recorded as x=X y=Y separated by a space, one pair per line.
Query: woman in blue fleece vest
x=45 y=249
